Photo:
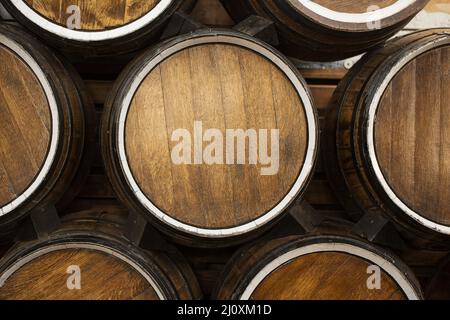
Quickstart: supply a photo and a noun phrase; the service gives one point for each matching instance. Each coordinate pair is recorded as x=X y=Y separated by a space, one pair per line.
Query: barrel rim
x=40 y=74
x=41 y=250
x=234 y=38
x=373 y=104
x=357 y=21
x=357 y=248
x=91 y=36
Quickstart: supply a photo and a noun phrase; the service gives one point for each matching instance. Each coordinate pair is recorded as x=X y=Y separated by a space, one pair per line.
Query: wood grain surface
x=412 y=135
x=25 y=129
x=103 y=277
x=225 y=87
x=95 y=14
x=325 y=276
x=354 y=6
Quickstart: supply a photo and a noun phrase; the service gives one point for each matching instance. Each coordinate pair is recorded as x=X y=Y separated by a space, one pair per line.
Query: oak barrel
x=44 y=131
x=211 y=135
x=388 y=135
x=330 y=29
x=96 y=27
x=316 y=267
x=89 y=257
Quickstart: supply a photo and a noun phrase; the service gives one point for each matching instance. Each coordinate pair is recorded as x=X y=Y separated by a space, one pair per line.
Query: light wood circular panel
x=354 y=6
x=102 y=277
x=412 y=135
x=25 y=132
x=94 y=14
x=325 y=276
x=224 y=86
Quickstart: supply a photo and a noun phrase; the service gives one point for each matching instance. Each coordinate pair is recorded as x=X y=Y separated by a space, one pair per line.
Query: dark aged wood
x=411 y=135
x=260 y=28
x=317 y=275
x=95 y=17
x=119 y=273
x=180 y=23
x=227 y=86
x=437 y=288
x=25 y=132
x=310 y=36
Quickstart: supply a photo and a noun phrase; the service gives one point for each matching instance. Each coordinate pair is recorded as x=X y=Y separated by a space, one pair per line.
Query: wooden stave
x=355 y=182
x=106 y=228
x=328 y=43
x=248 y=261
x=120 y=46
x=113 y=166
x=70 y=167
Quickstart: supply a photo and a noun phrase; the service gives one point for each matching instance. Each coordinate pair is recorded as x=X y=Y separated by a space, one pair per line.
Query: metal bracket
x=180 y=23
x=306 y=216
x=4 y=14
x=45 y=221
x=259 y=27
x=375 y=227
x=142 y=234
x=135 y=227
x=301 y=219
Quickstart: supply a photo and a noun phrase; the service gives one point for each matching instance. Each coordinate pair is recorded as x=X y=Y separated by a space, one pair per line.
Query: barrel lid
x=77 y=270
x=408 y=133
x=29 y=131
x=88 y=20
x=358 y=15
x=180 y=122
x=326 y=267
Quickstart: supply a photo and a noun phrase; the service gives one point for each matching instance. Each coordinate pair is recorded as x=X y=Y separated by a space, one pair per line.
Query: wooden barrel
x=43 y=135
x=211 y=135
x=330 y=29
x=388 y=134
x=90 y=258
x=316 y=268
x=96 y=27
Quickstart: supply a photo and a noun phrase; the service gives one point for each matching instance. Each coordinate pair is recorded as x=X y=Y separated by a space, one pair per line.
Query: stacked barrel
x=205 y=80
x=209 y=139
x=389 y=134
x=99 y=28
x=44 y=137
x=91 y=246
x=330 y=30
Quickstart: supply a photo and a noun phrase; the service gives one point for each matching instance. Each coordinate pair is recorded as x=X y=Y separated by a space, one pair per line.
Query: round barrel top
x=94 y=15
x=326 y=276
x=73 y=273
x=217 y=136
x=26 y=130
x=411 y=137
